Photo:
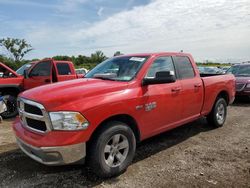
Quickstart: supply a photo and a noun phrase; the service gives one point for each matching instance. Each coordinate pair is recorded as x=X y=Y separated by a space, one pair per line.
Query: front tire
x=112 y=150
x=10 y=101
x=217 y=116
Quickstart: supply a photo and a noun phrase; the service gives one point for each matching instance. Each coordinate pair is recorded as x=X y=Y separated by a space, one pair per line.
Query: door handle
x=176 y=89
x=47 y=80
x=197 y=85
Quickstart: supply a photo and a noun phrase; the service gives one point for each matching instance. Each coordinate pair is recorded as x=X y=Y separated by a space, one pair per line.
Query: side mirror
x=25 y=73
x=161 y=77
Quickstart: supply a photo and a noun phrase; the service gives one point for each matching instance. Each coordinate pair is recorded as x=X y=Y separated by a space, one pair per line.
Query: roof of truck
x=157 y=53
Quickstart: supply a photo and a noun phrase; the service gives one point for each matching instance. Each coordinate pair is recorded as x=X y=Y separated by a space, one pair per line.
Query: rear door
x=40 y=74
x=64 y=71
x=162 y=102
x=192 y=88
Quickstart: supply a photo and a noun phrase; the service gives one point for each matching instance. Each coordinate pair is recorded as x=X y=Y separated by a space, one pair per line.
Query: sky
x=216 y=30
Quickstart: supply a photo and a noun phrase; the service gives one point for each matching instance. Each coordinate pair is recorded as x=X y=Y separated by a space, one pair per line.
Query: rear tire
x=217 y=116
x=10 y=101
x=112 y=150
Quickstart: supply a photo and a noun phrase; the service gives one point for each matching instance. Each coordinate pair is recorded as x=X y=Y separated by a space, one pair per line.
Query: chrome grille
x=32 y=109
x=33 y=116
x=240 y=86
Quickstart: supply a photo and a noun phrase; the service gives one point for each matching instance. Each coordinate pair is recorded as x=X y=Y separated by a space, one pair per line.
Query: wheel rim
x=116 y=150
x=11 y=105
x=220 y=115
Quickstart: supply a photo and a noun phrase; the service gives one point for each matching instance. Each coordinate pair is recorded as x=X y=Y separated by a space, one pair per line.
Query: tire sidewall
x=13 y=114
x=116 y=128
x=218 y=102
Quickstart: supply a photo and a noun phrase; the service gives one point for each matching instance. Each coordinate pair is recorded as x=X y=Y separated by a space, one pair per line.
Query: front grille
x=36 y=124
x=33 y=115
x=32 y=109
x=240 y=86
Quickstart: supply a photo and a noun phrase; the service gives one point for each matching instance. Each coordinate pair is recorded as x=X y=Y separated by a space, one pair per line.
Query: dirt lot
x=194 y=155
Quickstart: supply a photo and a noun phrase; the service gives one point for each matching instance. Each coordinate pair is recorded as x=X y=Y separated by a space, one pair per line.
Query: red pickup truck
x=119 y=103
x=29 y=76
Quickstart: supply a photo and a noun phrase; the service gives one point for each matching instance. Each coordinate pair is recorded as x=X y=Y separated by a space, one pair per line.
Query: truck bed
x=213 y=83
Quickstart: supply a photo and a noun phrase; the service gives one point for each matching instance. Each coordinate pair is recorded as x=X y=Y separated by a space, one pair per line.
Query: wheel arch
x=125 y=118
x=10 y=89
x=223 y=94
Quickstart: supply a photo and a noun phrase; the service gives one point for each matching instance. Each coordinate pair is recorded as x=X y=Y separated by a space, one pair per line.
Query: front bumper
x=60 y=155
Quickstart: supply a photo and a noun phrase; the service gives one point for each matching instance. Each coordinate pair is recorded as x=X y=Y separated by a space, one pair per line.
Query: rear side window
x=41 y=69
x=184 y=67
x=63 y=69
x=161 y=64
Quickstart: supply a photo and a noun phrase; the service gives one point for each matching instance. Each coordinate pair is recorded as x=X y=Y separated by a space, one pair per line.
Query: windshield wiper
x=104 y=78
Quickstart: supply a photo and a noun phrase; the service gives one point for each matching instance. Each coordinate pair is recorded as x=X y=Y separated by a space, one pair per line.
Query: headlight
x=248 y=86
x=68 y=121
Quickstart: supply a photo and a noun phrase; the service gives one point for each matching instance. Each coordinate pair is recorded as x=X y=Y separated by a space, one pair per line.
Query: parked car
x=210 y=70
x=103 y=116
x=242 y=74
x=29 y=76
x=81 y=72
x=225 y=68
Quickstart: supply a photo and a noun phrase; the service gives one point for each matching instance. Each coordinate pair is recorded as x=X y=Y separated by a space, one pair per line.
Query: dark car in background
x=242 y=74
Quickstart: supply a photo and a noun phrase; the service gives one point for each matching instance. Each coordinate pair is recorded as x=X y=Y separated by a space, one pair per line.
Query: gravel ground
x=194 y=155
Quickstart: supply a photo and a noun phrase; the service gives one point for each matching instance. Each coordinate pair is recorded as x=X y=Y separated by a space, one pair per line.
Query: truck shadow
x=18 y=169
x=242 y=102
x=9 y=120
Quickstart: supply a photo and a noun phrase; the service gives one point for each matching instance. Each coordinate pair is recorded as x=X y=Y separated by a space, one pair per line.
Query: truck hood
x=242 y=79
x=62 y=93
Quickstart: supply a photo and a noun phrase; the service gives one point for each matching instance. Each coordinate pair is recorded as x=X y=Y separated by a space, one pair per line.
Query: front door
x=39 y=75
x=162 y=101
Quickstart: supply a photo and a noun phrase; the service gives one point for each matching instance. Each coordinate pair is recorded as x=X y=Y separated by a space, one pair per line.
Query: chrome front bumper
x=53 y=156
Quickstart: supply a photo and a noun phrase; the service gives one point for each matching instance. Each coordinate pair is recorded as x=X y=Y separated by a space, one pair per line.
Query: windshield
x=240 y=70
x=118 y=68
x=20 y=71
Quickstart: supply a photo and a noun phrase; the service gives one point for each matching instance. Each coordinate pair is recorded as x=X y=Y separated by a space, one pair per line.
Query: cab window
x=184 y=67
x=41 y=69
x=161 y=64
x=63 y=69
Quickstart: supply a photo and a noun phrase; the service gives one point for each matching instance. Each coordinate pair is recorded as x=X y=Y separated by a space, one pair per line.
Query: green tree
x=81 y=59
x=97 y=57
x=17 y=48
x=11 y=63
x=62 y=58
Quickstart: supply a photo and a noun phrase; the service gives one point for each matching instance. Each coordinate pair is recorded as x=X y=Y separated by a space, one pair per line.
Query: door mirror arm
x=25 y=73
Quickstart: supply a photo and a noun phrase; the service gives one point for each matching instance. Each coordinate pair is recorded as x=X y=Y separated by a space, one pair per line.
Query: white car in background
x=81 y=71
